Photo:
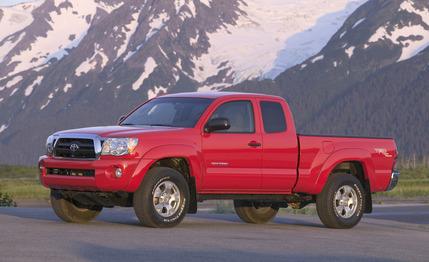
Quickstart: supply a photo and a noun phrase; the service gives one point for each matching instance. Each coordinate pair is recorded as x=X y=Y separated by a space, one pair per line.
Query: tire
x=249 y=212
x=69 y=212
x=340 y=204
x=162 y=200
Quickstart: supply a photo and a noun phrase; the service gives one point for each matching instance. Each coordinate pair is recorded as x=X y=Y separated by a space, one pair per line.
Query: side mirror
x=122 y=118
x=217 y=124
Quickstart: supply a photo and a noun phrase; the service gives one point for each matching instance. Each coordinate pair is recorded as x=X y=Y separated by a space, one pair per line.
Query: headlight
x=119 y=146
x=50 y=145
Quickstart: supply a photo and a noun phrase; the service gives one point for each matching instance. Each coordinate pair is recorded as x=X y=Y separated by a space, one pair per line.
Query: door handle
x=254 y=144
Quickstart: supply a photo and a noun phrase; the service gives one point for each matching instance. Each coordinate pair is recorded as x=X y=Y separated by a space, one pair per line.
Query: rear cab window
x=273 y=117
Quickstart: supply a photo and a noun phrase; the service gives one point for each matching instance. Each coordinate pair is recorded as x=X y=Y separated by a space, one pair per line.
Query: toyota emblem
x=74 y=147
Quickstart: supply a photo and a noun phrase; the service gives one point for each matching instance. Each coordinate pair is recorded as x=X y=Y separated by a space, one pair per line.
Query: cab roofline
x=221 y=94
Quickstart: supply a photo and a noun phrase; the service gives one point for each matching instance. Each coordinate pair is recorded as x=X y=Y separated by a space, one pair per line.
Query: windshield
x=173 y=111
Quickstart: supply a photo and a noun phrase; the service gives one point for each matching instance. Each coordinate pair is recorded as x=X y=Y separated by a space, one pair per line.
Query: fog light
x=118 y=172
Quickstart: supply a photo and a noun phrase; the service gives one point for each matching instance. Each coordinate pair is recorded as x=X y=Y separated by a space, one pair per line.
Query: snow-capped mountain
x=70 y=63
x=221 y=39
x=378 y=34
x=370 y=79
x=391 y=99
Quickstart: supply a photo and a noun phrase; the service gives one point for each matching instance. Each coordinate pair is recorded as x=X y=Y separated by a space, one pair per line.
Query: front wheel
x=162 y=199
x=254 y=213
x=70 y=212
x=340 y=204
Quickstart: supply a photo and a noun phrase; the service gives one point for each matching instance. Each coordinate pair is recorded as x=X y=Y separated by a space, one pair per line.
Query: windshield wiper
x=160 y=125
x=129 y=124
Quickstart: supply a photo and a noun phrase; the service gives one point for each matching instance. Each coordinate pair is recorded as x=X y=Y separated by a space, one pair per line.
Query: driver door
x=233 y=157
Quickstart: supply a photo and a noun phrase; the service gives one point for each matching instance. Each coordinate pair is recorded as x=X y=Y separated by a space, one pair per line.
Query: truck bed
x=376 y=155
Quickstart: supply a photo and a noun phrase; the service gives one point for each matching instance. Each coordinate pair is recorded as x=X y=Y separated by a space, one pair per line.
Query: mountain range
x=370 y=79
x=347 y=67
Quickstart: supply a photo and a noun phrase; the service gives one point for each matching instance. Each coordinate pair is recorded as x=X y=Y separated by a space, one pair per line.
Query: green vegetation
x=413 y=185
x=6 y=201
x=22 y=183
x=409 y=189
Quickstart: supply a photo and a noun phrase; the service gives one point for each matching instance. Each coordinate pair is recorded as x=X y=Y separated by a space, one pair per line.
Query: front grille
x=71 y=172
x=81 y=148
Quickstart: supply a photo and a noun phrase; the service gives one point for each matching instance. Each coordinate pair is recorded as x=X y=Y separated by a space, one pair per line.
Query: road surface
x=392 y=233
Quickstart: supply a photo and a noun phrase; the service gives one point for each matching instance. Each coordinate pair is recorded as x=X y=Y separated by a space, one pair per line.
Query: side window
x=273 y=117
x=239 y=114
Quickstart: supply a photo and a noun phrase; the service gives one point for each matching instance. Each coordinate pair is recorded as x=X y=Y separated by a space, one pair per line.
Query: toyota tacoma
x=176 y=150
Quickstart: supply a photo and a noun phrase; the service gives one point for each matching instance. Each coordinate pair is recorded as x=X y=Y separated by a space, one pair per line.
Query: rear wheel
x=340 y=204
x=255 y=213
x=162 y=199
x=70 y=212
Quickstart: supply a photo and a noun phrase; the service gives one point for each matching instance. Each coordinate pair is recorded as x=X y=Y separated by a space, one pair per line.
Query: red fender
x=191 y=154
x=338 y=157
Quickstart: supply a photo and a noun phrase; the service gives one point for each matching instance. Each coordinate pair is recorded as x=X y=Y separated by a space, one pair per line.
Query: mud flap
x=193 y=205
x=368 y=198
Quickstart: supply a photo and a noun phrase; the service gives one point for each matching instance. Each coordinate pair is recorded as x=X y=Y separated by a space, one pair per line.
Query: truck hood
x=119 y=131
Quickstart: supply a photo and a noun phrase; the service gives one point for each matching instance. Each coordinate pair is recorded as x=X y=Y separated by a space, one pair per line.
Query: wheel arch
x=168 y=154
x=357 y=161
x=185 y=159
x=354 y=168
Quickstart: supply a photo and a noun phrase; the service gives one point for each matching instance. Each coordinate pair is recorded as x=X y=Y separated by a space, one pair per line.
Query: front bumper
x=394 y=178
x=102 y=174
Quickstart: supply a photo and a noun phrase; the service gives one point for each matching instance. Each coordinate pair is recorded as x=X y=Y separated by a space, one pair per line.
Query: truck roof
x=214 y=95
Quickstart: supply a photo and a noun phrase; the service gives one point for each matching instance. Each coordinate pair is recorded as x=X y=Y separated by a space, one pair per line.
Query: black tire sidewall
x=338 y=182
x=143 y=200
x=183 y=200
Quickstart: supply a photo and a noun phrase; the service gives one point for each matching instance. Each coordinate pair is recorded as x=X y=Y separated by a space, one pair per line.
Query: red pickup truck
x=177 y=150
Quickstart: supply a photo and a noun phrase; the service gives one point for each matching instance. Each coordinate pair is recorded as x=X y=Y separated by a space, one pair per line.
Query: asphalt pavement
x=391 y=233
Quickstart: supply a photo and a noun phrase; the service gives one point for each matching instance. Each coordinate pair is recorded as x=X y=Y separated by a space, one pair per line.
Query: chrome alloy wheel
x=346 y=201
x=166 y=199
